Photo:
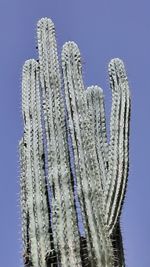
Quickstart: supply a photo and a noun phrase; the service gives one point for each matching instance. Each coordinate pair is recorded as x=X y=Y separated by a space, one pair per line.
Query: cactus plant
x=71 y=177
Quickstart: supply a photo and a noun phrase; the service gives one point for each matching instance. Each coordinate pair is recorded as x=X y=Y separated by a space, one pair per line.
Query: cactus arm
x=117 y=176
x=58 y=222
x=123 y=164
x=23 y=202
x=60 y=169
x=50 y=140
x=101 y=125
x=30 y=177
x=74 y=93
x=38 y=146
x=125 y=169
x=34 y=142
x=74 y=130
x=95 y=102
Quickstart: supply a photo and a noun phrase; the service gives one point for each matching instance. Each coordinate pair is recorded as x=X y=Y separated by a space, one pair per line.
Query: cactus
x=71 y=177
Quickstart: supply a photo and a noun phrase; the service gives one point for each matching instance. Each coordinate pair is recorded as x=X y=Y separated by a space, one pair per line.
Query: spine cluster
x=56 y=174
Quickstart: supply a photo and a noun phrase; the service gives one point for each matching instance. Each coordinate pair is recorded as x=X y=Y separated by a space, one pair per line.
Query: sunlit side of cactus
x=55 y=175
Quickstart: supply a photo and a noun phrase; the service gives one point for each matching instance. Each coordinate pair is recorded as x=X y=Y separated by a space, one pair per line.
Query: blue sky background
x=102 y=29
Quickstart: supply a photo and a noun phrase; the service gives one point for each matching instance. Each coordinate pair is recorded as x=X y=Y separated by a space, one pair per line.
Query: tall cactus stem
x=118 y=161
x=48 y=58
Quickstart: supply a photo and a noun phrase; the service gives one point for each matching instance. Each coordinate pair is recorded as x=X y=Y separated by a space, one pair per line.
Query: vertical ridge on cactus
x=50 y=224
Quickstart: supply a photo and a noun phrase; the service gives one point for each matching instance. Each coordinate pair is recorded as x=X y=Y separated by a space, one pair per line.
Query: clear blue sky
x=102 y=29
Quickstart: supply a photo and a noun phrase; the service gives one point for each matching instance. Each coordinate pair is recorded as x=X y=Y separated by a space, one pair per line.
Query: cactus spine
x=55 y=110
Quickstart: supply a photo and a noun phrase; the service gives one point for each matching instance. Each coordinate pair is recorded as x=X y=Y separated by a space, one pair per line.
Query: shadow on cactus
x=72 y=180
